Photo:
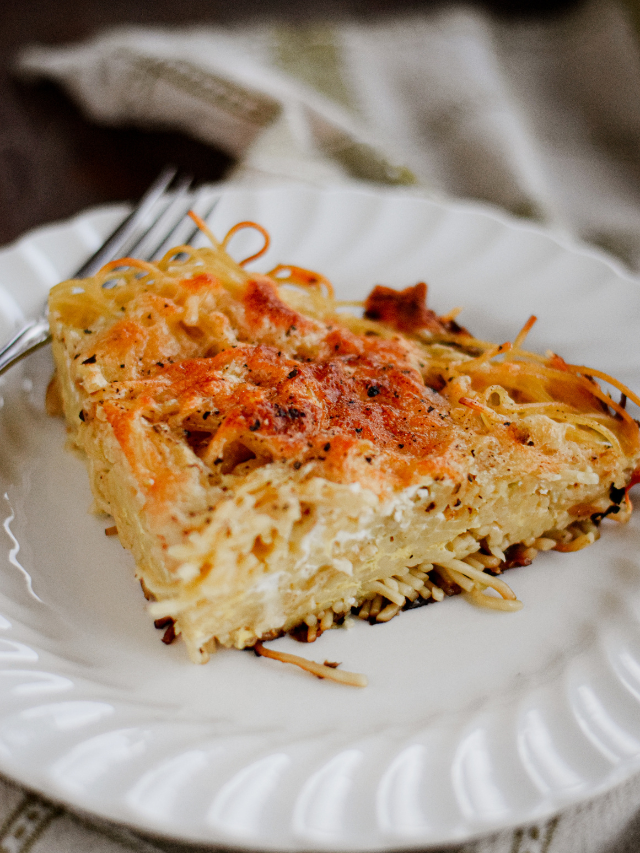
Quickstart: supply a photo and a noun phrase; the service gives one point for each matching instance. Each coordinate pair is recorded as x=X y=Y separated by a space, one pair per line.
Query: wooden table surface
x=54 y=163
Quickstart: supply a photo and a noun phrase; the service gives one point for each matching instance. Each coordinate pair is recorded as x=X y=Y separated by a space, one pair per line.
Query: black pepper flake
x=205 y=415
x=122 y=365
x=358 y=430
x=293 y=373
x=327 y=447
x=373 y=391
x=430 y=409
x=368 y=458
x=87 y=331
x=218 y=461
x=401 y=446
x=297 y=465
x=255 y=425
x=291 y=412
x=81 y=416
x=90 y=360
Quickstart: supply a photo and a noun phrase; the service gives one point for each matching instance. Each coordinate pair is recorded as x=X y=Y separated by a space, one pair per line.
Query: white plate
x=473 y=720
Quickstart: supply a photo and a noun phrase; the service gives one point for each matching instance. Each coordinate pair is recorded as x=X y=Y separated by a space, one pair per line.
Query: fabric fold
x=541 y=118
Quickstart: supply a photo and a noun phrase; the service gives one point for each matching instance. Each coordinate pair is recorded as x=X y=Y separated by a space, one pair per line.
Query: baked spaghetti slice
x=274 y=463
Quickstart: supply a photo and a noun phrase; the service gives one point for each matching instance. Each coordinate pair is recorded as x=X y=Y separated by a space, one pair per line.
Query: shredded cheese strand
x=353 y=679
x=290 y=274
x=600 y=374
x=248 y=224
x=480 y=577
x=202 y=225
x=524 y=331
x=130 y=262
x=492 y=602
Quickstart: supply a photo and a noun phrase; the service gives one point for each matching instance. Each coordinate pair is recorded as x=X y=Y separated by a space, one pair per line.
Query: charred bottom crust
x=417 y=587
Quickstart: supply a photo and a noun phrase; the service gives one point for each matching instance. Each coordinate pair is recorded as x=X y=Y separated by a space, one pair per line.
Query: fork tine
x=145 y=245
x=185 y=231
x=111 y=248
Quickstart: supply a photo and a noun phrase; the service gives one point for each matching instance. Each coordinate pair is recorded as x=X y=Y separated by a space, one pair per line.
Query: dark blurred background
x=54 y=163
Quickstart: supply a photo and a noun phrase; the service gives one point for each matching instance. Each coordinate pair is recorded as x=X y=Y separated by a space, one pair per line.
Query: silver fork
x=156 y=223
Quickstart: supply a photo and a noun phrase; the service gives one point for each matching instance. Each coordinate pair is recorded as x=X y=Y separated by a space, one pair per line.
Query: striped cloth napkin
x=540 y=118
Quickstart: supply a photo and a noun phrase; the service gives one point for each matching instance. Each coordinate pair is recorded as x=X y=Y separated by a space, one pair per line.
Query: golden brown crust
x=406 y=310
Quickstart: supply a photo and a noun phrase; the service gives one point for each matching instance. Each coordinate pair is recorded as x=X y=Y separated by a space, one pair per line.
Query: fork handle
x=29 y=338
